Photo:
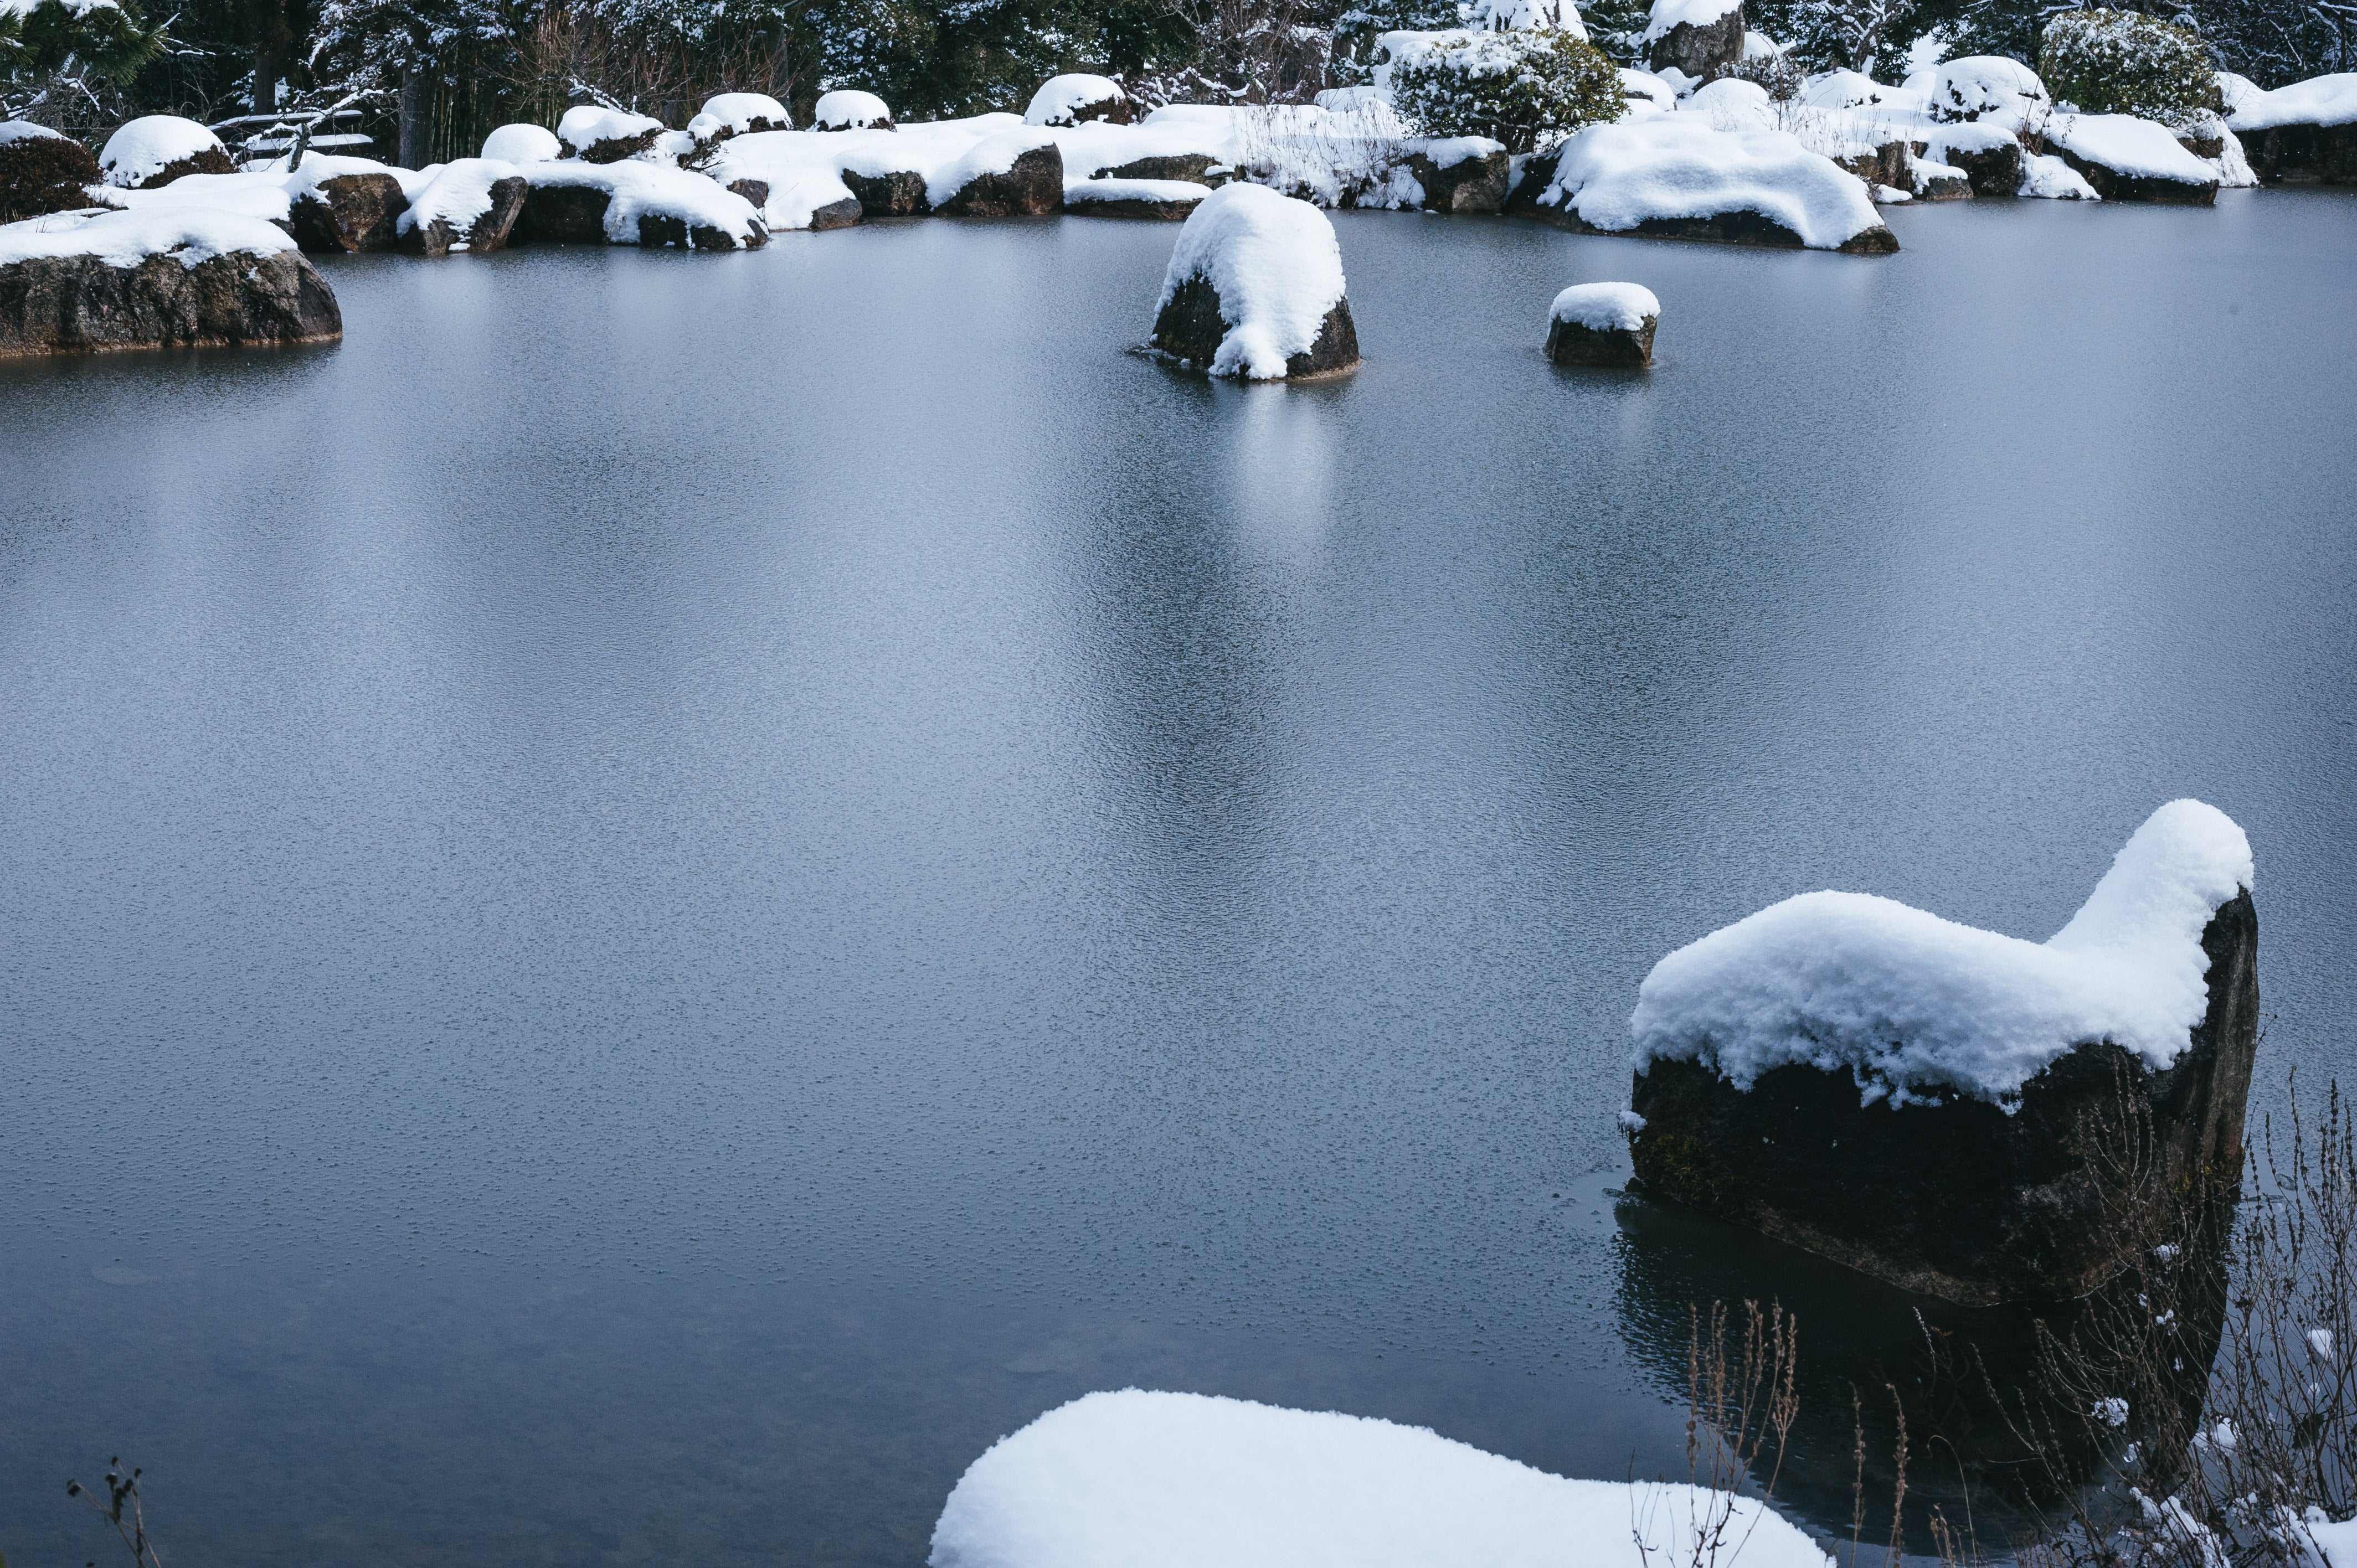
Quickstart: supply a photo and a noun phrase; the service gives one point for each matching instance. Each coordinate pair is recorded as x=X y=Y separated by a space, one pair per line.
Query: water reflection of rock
x=1964 y=1377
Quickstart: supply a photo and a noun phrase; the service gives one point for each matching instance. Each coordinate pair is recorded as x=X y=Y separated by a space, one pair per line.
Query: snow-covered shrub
x=157 y=149
x=1777 y=75
x=1527 y=89
x=41 y=171
x=2119 y=62
x=1987 y=87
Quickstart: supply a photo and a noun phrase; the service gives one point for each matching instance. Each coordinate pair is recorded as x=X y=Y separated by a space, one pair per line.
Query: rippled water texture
x=644 y=906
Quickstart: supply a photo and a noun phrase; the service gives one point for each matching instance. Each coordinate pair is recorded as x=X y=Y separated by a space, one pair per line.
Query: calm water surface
x=644 y=906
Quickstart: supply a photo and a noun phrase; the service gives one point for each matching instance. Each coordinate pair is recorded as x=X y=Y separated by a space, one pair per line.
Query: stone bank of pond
x=651 y=901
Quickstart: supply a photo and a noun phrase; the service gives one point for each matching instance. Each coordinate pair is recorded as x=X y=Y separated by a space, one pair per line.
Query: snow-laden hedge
x=2118 y=62
x=1528 y=89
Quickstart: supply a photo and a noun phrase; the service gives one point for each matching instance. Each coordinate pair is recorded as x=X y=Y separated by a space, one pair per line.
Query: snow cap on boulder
x=606 y=135
x=1987 y=87
x=522 y=144
x=155 y=149
x=739 y=115
x=847 y=109
x=1606 y=307
x=1070 y=99
x=1275 y=268
x=1669 y=13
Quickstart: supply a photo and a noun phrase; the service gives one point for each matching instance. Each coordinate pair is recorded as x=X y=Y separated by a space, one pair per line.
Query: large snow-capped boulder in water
x=523 y=144
x=1986 y=88
x=598 y=136
x=470 y=205
x=1911 y=1097
x=166 y=278
x=157 y=149
x=1177 y=1480
x=1703 y=38
x=1609 y=324
x=2129 y=160
x=1676 y=177
x=1256 y=289
x=2305 y=134
x=1077 y=97
x=847 y=109
x=41 y=171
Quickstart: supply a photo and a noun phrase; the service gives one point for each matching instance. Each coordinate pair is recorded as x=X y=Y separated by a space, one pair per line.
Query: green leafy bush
x=1528 y=87
x=2118 y=62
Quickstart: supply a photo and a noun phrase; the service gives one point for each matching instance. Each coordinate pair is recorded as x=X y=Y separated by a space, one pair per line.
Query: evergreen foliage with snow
x=2118 y=62
x=1529 y=88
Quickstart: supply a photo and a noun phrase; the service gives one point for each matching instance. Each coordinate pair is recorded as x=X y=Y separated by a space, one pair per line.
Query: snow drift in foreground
x=187 y=234
x=1679 y=166
x=1277 y=266
x=1915 y=1005
x=1165 y=1480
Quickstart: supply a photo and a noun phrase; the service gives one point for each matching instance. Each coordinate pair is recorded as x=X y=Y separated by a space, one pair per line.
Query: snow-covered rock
x=2046 y=176
x=1170 y=200
x=470 y=205
x=82 y=283
x=846 y=108
x=1989 y=87
x=633 y=202
x=2129 y=160
x=157 y=149
x=1014 y=173
x=1989 y=154
x=2303 y=133
x=1699 y=37
x=1459 y=174
x=1912 y=1096
x=599 y=135
x=522 y=144
x=1074 y=99
x=1256 y=289
x=739 y=115
x=1174 y=1480
x=1678 y=177
x=1603 y=324
x=333 y=208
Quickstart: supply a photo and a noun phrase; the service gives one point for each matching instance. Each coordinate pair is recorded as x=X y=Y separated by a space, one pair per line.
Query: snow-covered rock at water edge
x=1076 y=98
x=79 y=282
x=1603 y=324
x=2129 y=160
x=1168 y=199
x=522 y=144
x=1916 y=1005
x=1678 y=177
x=2318 y=101
x=2047 y=175
x=471 y=205
x=739 y=115
x=847 y=109
x=2306 y=133
x=633 y=203
x=1174 y=1480
x=1256 y=289
x=1989 y=87
x=606 y=135
x=1989 y=154
x=155 y=149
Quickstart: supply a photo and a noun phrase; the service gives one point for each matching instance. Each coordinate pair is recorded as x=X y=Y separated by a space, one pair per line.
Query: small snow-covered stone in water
x=1989 y=156
x=1075 y=98
x=1256 y=289
x=740 y=114
x=1169 y=200
x=157 y=149
x=1460 y=174
x=847 y=109
x=522 y=144
x=1987 y=88
x=1172 y=1480
x=596 y=135
x=344 y=205
x=1603 y=324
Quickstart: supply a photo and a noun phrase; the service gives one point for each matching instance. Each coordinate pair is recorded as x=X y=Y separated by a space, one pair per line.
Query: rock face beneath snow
x=1255 y=289
x=349 y=213
x=2302 y=155
x=1475 y=184
x=491 y=229
x=1193 y=324
x=1192 y=168
x=1703 y=50
x=1156 y=200
x=898 y=194
x=1032 y=186
x=1992 y=170
x=1603 y=324
x=563 y=215
x=80 y=305
x=839 y=214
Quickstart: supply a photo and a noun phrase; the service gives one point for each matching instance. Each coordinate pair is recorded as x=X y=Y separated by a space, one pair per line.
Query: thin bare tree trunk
x=416 y=103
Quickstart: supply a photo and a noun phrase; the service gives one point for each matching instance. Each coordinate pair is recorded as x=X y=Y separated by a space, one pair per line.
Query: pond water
x=642 y=906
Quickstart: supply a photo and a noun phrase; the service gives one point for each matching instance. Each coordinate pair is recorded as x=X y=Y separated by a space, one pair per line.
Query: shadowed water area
x=644 y=906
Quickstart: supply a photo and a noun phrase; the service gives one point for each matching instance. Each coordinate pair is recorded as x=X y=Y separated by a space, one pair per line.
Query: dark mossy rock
x=1193 y=167
x=2303 y=154
x=659 y=231
x=1942 y=187
x=81 y=304
x=1993 y=171
x=2202 y=145
x=1477 y=183
x=840 y=214
x=1891 y=164
x=40 y=174
x=2113 y=185
x=1031 y=188
x=1191 y=327
x=1571 y=343
x=900 y=194
x=563 y=215
x=756 y=191
x=614 y=149
x=491 y=230
x=1960 y=1199
x=349 y=213
x=204 y=160
x=1152 y=209
x=1703 y=52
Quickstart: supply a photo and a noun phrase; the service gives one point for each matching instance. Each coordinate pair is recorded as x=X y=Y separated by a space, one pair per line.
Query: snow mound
x=142 y=148
x=641 y=189
x=459 y=193
x=1171 y=1480
x=1646 y=92
x=1914 y=1005
x=585 y=126
x=1845 y=90
x=1987 y=87
x=2318 y=101
x=1606 y=307
x=1277 y=266
x=2122 y=143
x=523 y=145
x=1734 y=103
x=2236 y=93
x=2044 y=174
x=25 y=130
x=1060 y=97
x=846 y=108
x=1679 y=166
x=1668 y=14
x=187 y=234
x=739 y=112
